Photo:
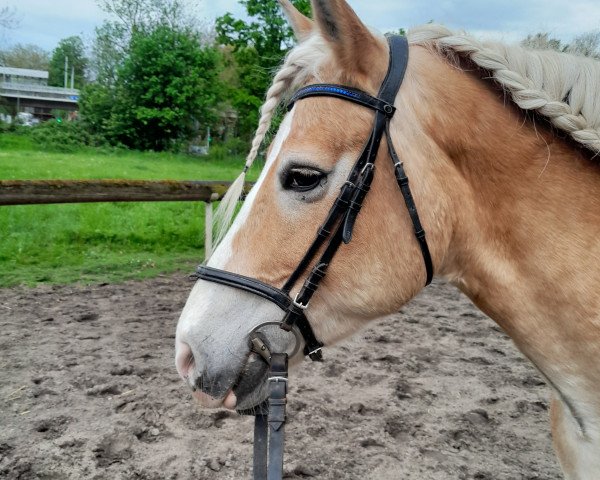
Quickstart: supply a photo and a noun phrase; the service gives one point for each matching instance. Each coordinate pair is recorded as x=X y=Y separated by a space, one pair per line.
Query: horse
x=500 y=146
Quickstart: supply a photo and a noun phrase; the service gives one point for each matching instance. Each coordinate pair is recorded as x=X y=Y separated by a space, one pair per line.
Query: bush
x=8 y=127
x=63 y=137
x=236 y=146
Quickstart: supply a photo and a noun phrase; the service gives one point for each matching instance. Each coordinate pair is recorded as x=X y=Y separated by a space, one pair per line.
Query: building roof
x=24 y=72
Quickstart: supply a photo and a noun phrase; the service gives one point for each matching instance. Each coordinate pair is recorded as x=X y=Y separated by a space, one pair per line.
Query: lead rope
x=269 y=421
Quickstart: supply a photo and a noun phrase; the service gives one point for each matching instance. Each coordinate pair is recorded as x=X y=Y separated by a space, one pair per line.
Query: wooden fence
x=36 y=192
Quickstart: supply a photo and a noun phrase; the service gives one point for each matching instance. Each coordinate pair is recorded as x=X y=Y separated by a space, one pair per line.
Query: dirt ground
x=88 y=390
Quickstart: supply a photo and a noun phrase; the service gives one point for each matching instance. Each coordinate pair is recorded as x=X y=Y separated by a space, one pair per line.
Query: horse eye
x=302 y=179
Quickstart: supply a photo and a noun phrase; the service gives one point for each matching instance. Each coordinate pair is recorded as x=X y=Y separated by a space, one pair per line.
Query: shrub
x=63 y=137
x=236 y=146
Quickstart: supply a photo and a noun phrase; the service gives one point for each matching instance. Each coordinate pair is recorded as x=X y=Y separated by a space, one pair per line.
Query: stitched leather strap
x=338 y=227
x=261 y=445
x=241 y=282
x=312 y=346
x=403 y=184
x=269 y=428
x=277 y=416
x=360 y=174
x=346 y=93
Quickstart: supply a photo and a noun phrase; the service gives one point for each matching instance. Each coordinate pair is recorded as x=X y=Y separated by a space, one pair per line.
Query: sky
x=45 y=22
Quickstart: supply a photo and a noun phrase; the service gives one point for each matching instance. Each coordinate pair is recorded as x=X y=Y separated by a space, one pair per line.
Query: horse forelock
x=302 y=64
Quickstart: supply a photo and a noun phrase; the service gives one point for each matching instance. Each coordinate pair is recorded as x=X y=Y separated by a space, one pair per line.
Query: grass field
x=105 y=242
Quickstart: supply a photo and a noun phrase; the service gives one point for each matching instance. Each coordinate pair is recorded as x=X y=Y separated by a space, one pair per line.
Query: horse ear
x=302 y=25
x=353 y=44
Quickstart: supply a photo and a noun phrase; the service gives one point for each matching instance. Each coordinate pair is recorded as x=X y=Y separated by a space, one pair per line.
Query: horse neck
x=526 y=206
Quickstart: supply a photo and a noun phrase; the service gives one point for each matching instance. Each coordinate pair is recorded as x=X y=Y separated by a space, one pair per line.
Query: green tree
x=542 y=41
x=73 y=49
x=25 y=56
x=165 y=90
x=111 y=43
x=258 y=45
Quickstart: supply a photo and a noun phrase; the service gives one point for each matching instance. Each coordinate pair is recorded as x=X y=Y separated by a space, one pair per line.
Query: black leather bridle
x=337 y=228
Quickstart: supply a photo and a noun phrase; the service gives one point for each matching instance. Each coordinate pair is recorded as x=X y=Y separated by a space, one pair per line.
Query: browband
x=346 y=93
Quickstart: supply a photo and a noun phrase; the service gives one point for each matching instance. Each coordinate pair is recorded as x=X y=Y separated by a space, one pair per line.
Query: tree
x=166 y=87
x=542 y=41
x=73 y=49
x=25 y=56
x=140 y=14
x=112 y=39
x=8 y=18
x=258 y=45
x=109 y=50
x=586 y=44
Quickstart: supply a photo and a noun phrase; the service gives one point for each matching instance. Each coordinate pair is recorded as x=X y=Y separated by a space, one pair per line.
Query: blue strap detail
x=346 y=93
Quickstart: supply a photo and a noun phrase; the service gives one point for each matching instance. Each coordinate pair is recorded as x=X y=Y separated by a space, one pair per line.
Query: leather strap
x=337 y=228
x=404 y=186
x=261 y=443
x=277 y=417
x=362 y=174
x=241 y=282
x=346 y=93
x=269 y=428
x=312 y=346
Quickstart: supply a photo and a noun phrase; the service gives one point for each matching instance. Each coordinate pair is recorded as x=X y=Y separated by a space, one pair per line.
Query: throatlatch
x=337 y=228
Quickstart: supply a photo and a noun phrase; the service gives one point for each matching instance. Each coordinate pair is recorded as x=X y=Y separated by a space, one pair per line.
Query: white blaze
x=225 y=251
x=216 y=320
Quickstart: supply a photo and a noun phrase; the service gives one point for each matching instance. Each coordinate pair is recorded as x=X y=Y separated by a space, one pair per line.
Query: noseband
x=337 y=228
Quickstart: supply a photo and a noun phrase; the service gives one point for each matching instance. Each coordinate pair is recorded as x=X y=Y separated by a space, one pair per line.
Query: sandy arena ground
x=88 y=390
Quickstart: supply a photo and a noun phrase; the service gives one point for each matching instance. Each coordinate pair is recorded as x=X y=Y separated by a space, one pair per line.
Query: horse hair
x=558 y=86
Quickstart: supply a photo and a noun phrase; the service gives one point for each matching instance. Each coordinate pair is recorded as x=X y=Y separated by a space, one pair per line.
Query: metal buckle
x=278 y=379
x=258 y=346
x=364 y=169
x=296 y=303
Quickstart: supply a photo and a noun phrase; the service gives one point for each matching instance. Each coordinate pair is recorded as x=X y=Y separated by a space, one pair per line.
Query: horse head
x=307 y=164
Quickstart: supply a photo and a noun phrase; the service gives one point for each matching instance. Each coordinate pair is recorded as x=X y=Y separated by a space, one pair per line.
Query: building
x=25 y=90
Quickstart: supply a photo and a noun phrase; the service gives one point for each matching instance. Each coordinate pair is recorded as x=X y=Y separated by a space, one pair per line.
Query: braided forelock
x=301 y=63
x=559 y=86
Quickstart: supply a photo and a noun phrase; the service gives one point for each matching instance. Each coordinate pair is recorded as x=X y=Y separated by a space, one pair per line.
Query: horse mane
x=558 y=86
x=563 y=88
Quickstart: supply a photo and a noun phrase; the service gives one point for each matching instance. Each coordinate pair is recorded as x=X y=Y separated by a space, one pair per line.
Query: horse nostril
x=184 y=360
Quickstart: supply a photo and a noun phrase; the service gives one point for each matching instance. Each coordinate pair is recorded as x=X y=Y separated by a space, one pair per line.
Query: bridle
x=336 y=228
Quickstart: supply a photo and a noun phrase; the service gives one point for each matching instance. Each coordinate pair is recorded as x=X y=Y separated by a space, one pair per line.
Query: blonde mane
x=558 y=86
x=561 y=87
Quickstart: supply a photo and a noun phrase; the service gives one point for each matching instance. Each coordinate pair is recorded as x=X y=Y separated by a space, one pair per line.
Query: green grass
x=104 y=242
x=20 y=161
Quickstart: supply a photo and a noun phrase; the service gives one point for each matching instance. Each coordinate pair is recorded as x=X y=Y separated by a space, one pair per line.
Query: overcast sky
x=45 y=22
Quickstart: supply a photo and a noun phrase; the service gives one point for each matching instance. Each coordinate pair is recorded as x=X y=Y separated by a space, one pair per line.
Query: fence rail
x=39 y=192
x=30 y=192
